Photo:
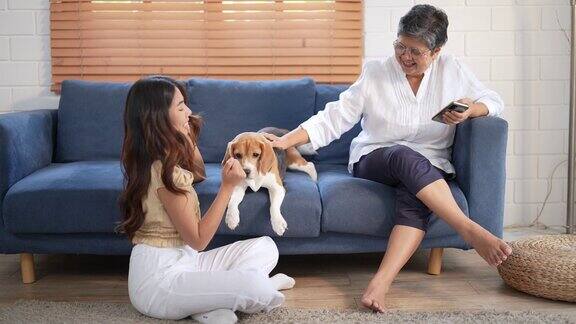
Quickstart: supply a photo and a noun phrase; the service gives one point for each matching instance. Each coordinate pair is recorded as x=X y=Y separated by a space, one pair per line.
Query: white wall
x=516 y=47
x=25 y=55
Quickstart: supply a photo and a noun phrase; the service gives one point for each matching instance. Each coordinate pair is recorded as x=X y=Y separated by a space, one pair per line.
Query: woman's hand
x=276 y=141
x=453 y=117
x=232 y=173
x=296 y=137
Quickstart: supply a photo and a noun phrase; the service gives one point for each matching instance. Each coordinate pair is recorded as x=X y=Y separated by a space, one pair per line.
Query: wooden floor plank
x=325 y=281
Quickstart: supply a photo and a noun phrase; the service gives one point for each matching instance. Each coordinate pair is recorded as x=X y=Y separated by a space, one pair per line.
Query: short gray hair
x=426 y=23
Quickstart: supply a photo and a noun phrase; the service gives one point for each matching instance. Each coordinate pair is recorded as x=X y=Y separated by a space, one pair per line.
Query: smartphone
x=453 y=106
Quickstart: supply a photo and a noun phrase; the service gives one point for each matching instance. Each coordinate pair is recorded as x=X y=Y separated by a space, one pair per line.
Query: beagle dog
x=265 y=166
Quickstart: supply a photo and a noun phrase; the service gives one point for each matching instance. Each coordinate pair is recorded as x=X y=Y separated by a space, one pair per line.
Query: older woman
x=401 y=146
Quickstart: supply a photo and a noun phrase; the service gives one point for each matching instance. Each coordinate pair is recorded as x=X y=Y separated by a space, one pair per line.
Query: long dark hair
x=149 y=136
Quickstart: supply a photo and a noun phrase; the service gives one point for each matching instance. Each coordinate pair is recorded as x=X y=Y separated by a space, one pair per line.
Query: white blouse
x=391 y=114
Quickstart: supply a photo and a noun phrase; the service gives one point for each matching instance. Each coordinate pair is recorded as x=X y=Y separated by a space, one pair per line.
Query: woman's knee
x=269 y=249
x=401 y=157
x=403 y=152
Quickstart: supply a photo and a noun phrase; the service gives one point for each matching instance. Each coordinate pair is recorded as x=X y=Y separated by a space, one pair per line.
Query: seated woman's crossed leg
x=421 y=189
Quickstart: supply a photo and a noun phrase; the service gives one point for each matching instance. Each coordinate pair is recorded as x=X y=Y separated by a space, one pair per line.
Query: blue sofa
x=60 y=174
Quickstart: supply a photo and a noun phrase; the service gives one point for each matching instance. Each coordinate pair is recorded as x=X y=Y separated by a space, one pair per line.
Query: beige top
x=157 y=229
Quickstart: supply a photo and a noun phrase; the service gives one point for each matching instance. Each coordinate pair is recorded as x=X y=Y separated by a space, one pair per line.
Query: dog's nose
x=247 y=171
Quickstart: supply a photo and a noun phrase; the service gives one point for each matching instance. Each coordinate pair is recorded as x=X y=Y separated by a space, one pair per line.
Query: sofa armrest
x=479 y=156
x=26 y=145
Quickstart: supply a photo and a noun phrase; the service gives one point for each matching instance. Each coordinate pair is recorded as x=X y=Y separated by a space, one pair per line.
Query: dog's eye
x=238 y=155
x=255 y=154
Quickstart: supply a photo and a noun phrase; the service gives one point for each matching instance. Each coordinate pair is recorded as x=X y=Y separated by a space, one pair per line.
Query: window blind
x=244 y=40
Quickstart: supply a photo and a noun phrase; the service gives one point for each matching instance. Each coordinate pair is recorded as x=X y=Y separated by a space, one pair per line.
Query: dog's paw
x=311 y=170
x=232 y=218
x=279 y=225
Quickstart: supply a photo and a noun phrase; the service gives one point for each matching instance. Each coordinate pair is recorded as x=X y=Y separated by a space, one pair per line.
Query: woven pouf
x=543 y=266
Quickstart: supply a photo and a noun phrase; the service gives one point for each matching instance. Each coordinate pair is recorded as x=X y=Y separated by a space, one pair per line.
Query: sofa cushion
x=358 y=206
x=338 y=151
x=90 y=120
x=82 y=197
x=232 y=107
x=301 y=207
x=78 y=197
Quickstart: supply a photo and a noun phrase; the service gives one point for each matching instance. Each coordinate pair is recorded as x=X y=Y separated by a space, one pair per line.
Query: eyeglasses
x=400 y=49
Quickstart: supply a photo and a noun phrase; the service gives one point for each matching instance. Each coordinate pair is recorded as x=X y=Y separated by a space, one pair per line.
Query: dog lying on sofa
x=265 y=166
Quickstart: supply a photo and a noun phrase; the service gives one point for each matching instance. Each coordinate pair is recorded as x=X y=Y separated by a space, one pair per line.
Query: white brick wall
x=515 y=68
x=516 y=47
x=515 y=18
x=28 y=4
x=25 y=55
x=4 y=48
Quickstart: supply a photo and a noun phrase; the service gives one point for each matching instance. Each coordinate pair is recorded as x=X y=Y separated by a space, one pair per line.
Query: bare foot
x=489 y=247
x=375 y=295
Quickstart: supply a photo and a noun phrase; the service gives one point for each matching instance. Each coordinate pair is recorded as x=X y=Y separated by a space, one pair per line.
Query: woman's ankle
x=469 y=231
x=383 y=278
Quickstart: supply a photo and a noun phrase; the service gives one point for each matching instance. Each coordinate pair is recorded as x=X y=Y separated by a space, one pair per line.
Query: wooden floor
x=326 y=281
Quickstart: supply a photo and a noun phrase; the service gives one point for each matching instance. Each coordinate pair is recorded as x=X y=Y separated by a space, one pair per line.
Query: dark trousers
x=407 y=170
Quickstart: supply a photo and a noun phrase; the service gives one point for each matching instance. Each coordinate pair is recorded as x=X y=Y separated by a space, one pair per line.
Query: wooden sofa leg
x=27 y=267
x=435 y=261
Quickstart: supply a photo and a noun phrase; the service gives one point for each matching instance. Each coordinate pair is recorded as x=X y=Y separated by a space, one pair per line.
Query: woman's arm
x=296 y=137
x=329 y=124
x=477 y=109
x=198 y=233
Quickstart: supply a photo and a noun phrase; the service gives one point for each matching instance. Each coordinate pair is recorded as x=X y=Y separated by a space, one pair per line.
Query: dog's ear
x=266 y=157
x=229 y=151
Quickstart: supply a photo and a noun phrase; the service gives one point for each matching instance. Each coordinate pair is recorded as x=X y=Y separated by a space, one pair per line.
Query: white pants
x=173 y=283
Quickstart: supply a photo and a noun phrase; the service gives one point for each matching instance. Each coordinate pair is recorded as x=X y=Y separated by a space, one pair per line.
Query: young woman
x=168 y=277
